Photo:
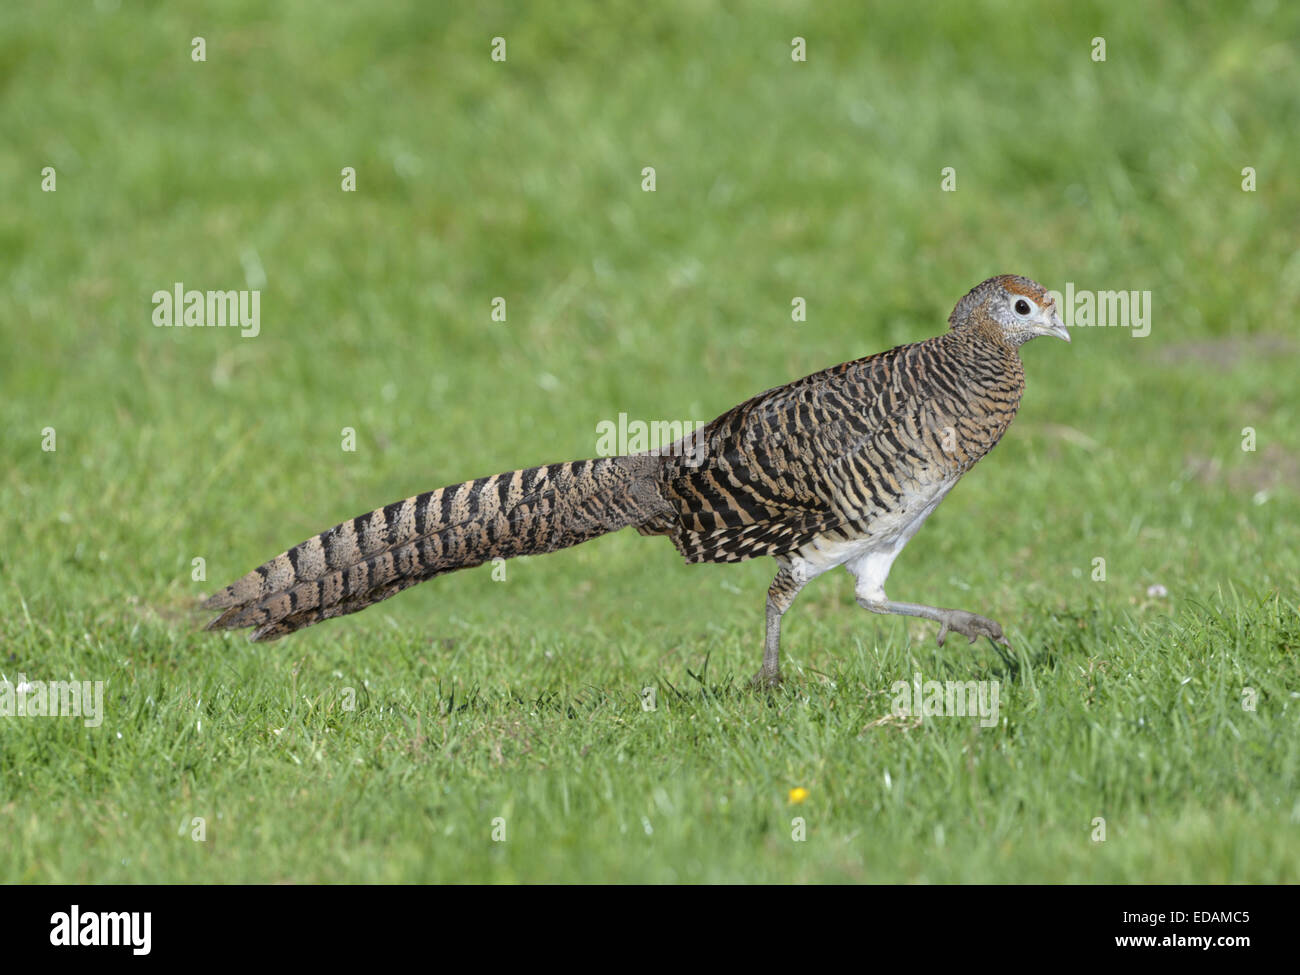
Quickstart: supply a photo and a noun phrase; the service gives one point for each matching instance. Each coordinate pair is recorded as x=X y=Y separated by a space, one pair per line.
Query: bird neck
x=983 y=350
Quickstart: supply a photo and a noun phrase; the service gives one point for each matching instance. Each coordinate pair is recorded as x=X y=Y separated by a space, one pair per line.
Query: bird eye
x=1022 y=307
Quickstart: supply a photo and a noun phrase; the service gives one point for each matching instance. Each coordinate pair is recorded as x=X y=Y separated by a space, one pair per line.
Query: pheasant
x=838 y=468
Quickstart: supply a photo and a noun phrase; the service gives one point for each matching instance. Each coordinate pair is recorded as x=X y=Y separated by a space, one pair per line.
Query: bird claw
x=971 y=625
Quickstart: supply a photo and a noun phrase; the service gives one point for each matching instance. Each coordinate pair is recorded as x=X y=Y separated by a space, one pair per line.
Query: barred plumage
x=838 y=468
x=382 y=552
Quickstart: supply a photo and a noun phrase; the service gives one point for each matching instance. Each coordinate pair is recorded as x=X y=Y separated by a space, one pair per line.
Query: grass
x=522 y=699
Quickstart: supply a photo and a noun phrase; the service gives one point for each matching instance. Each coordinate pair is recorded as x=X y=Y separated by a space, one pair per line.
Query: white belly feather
x=869 y=558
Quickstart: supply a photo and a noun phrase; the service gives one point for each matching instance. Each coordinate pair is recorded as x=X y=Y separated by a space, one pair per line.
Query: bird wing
x=775 y=470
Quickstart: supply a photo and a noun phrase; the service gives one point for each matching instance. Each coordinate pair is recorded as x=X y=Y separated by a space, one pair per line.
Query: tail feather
x=376 y=555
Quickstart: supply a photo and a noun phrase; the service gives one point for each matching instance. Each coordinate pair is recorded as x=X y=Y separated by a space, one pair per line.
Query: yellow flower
x=798 y=795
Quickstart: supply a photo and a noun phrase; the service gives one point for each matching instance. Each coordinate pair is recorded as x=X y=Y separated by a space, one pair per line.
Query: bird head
x=1010 y=309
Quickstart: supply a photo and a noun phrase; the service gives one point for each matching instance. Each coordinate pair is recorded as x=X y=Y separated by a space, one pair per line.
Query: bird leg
x=779 y=597
x=956 y=620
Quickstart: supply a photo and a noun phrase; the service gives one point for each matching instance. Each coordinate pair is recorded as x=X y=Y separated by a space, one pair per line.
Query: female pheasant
x=838 y=468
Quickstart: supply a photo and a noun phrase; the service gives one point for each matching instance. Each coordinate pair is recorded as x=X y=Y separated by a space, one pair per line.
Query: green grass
x=521 y=699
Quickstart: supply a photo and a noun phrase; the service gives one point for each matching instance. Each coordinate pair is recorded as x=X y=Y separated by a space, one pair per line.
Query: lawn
x=1135 y=532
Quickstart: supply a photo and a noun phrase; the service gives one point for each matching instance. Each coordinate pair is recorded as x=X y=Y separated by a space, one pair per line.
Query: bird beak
x=1056 y=327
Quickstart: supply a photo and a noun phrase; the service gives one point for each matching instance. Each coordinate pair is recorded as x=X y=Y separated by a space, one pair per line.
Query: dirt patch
x=1264 y=470
x=1225 y=352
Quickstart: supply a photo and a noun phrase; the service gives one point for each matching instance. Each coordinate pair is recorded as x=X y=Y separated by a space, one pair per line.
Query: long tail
x=377 y=555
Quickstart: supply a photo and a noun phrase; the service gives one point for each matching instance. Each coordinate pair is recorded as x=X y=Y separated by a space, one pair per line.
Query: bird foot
x=765 y=680
x=971 y=625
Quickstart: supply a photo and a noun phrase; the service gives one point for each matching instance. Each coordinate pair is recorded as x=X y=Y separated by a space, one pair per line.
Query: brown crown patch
x=1017 y=285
